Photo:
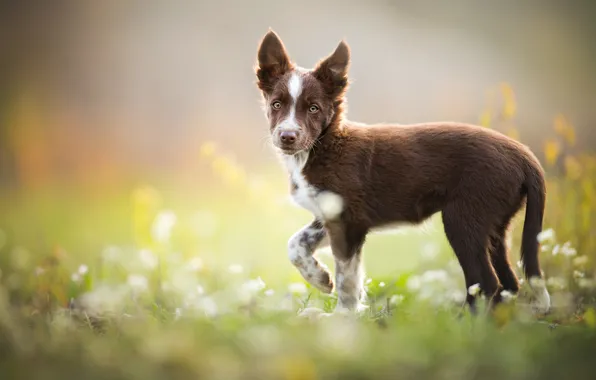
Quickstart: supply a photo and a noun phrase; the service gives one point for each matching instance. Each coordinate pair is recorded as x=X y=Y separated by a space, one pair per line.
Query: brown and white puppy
x=355 y=178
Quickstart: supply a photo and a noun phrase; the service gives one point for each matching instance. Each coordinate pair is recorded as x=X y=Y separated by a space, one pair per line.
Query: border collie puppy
x=355 y=178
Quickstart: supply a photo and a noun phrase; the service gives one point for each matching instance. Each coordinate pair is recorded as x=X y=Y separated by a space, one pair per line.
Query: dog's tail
x=535 y=189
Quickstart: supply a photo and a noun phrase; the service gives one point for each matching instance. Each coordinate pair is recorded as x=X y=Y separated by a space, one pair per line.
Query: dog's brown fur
x=476 y=177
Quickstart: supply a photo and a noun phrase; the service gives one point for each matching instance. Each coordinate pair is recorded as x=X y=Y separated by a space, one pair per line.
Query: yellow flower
x=565 y=129
x=552 y=149
x=485 y=118
x=573 y=167
x=509 y=107
x=513 y=133
x=207 y=149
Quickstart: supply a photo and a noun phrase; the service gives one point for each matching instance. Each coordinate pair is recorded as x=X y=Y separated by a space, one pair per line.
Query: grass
x=154 y=282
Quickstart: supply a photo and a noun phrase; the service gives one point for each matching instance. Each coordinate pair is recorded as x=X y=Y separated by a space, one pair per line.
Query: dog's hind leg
x=468 y=234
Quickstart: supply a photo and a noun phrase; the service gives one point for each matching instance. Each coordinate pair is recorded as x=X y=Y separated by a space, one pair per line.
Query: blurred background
x=111 y=112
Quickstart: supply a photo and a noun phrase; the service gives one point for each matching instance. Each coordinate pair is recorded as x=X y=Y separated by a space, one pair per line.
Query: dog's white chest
x=303 y=193
x=324 y=205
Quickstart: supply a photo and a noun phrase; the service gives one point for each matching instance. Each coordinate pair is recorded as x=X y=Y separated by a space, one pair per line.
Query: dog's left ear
x=333 y=70
x=273 y=61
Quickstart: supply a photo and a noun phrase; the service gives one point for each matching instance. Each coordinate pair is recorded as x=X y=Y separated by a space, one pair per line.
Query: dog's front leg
x=346 y=245
x=301 y=247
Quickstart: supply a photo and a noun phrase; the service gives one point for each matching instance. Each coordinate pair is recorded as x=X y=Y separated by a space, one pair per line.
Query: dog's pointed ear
x=273 y=61
x=333 y=70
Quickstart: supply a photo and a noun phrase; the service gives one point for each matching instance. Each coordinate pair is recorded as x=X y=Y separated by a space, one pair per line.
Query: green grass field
x=152 y=282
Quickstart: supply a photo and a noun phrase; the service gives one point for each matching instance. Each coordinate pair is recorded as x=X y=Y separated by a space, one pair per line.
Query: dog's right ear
x=273 y=62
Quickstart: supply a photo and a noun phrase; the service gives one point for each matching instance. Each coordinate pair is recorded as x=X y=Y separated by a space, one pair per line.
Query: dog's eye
x=276 y=105
x=313 y=108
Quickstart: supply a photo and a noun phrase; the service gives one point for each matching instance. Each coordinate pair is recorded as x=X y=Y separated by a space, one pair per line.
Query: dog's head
x=300 y=104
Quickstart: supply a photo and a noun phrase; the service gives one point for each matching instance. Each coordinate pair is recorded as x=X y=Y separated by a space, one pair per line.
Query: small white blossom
x=254 y=286
x=396 y=299
x=586 y=283
x=83 y=269
x=580 y=260
x=568 y=250
x=438 y=275
x=148 y=259
x=368 y=281
x=474 y=289
x=235 y=268
x=162 y=226
x=546 y=235
x=381 y=284
x=111 y=253
x=195 y=264
x=208 y=306
x=297 y=288
x=269 y=292
x=331 y=204
x=75 y=277
x=138 y=282
x=556 y=250
x=414 y=283
x=507 y=295
x=430 y=251
x=537 y=283
x=578 y=274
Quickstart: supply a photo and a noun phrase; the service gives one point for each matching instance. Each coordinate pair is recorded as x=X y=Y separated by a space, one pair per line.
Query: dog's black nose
x=288 y=137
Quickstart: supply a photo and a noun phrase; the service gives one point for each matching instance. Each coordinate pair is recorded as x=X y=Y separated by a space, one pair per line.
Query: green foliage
x=150 y=284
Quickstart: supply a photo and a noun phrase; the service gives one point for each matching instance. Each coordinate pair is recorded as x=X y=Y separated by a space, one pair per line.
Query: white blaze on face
x=295 y=89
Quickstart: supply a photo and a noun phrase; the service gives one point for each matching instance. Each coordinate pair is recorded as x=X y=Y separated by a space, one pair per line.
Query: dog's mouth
x=289 y=151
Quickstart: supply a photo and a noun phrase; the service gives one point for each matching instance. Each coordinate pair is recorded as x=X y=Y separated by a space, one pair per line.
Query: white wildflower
x=430 y=251
x=297 y=288
x=269 y=292
x=111 y=253
x=438 y=275
x=578 y=274
x=381 y=284
x=568 y=250
x=104 y=298
x=83 y=269
x=546 y=235
x=195 y=264
x=507 y=295
x=148 y=259
x=235 y=268
x=138 y=282
x=331 y=204
x=254 y=286
x=586 y=283
x=414 y=283
x=75 y=277
x=396 y=299
x=580 y=260
x=474 y=289
x=556 y=250
x=558 y=283
x=208 y=306
x=368 y=281
x=162 y=226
